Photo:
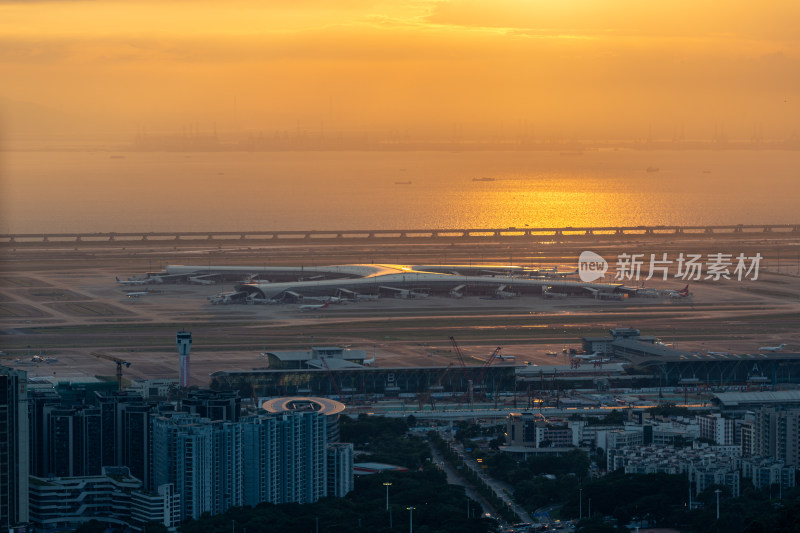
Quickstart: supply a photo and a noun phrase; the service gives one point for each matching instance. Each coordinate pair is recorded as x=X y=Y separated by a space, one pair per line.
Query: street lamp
x=410 y=519
x=717 y=493
x=580 y=504
x=387 y=485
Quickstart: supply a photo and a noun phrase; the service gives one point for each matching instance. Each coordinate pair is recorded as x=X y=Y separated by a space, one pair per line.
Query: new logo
x=591 y=266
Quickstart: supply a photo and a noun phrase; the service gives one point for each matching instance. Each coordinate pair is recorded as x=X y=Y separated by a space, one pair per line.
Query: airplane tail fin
x=116 y=278
x=327 y=302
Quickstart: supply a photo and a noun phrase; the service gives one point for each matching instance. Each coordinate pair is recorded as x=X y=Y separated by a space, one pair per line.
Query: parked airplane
x=314 y=307
x=323 y=299
x=683 y=293
x=717 y=353
x=130 y=282
x=253 y=300
x=553 y=273
x=369 y=362
x=772 y=348
x=136 y=294
x=588 y=356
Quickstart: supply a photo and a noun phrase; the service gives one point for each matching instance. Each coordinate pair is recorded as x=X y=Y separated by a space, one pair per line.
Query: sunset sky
x=570 y=68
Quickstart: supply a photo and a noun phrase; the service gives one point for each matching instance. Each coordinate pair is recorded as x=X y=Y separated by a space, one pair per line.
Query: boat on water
x=483 y=179
x=402 y=183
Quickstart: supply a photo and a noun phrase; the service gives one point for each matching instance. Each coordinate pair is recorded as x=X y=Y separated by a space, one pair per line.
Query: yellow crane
x=119 y=362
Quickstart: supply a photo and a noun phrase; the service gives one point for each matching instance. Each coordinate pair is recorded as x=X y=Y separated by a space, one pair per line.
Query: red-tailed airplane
x=314 y=307
x=683 y=293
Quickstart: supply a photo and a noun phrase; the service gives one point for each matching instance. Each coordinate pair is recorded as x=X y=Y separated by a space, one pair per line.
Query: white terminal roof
x=313 y=354
x=732 y=399
x=367 y=276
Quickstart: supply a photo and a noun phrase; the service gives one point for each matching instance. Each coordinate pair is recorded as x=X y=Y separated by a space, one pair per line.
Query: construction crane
x=486 y=365
x=334 y=385
x=459 y=354
x=119 y=362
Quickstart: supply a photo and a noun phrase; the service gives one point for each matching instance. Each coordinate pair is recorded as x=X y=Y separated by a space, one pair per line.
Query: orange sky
x=568 y=68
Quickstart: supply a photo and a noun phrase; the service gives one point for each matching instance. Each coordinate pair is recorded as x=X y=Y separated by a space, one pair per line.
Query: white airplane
x=225 y=298
x=136 y=294
x=314 y=307
x=130 y=282
x=455 y=292
x=254 y=300
x=554 y=273
x=683 y=293
x=323 y=299
x=588 y=356
x=772 y=348
x=717 y=353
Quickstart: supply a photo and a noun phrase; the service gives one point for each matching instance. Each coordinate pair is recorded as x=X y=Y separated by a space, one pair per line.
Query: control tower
x=184 y=343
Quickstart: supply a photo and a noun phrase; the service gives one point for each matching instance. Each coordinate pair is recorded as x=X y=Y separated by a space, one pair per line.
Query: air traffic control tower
x=184 y=342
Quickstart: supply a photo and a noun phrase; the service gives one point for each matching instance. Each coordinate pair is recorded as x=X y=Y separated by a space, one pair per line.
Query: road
x=454 y=478
x=502 y=490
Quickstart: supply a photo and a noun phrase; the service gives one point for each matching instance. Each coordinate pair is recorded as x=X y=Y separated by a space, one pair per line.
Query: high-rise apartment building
x=14 y=444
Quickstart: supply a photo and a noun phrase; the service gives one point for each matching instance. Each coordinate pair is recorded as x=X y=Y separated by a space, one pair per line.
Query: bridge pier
x=709 y=230
x=619 y=231
x=589 y=232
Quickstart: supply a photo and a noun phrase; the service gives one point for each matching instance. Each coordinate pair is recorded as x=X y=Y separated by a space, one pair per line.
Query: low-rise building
x=765 y=472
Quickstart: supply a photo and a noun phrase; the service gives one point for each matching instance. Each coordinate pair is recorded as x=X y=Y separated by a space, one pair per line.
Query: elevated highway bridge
x=473 y=234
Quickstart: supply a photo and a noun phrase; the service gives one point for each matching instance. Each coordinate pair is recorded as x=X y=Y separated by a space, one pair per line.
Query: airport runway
x=62 y=301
